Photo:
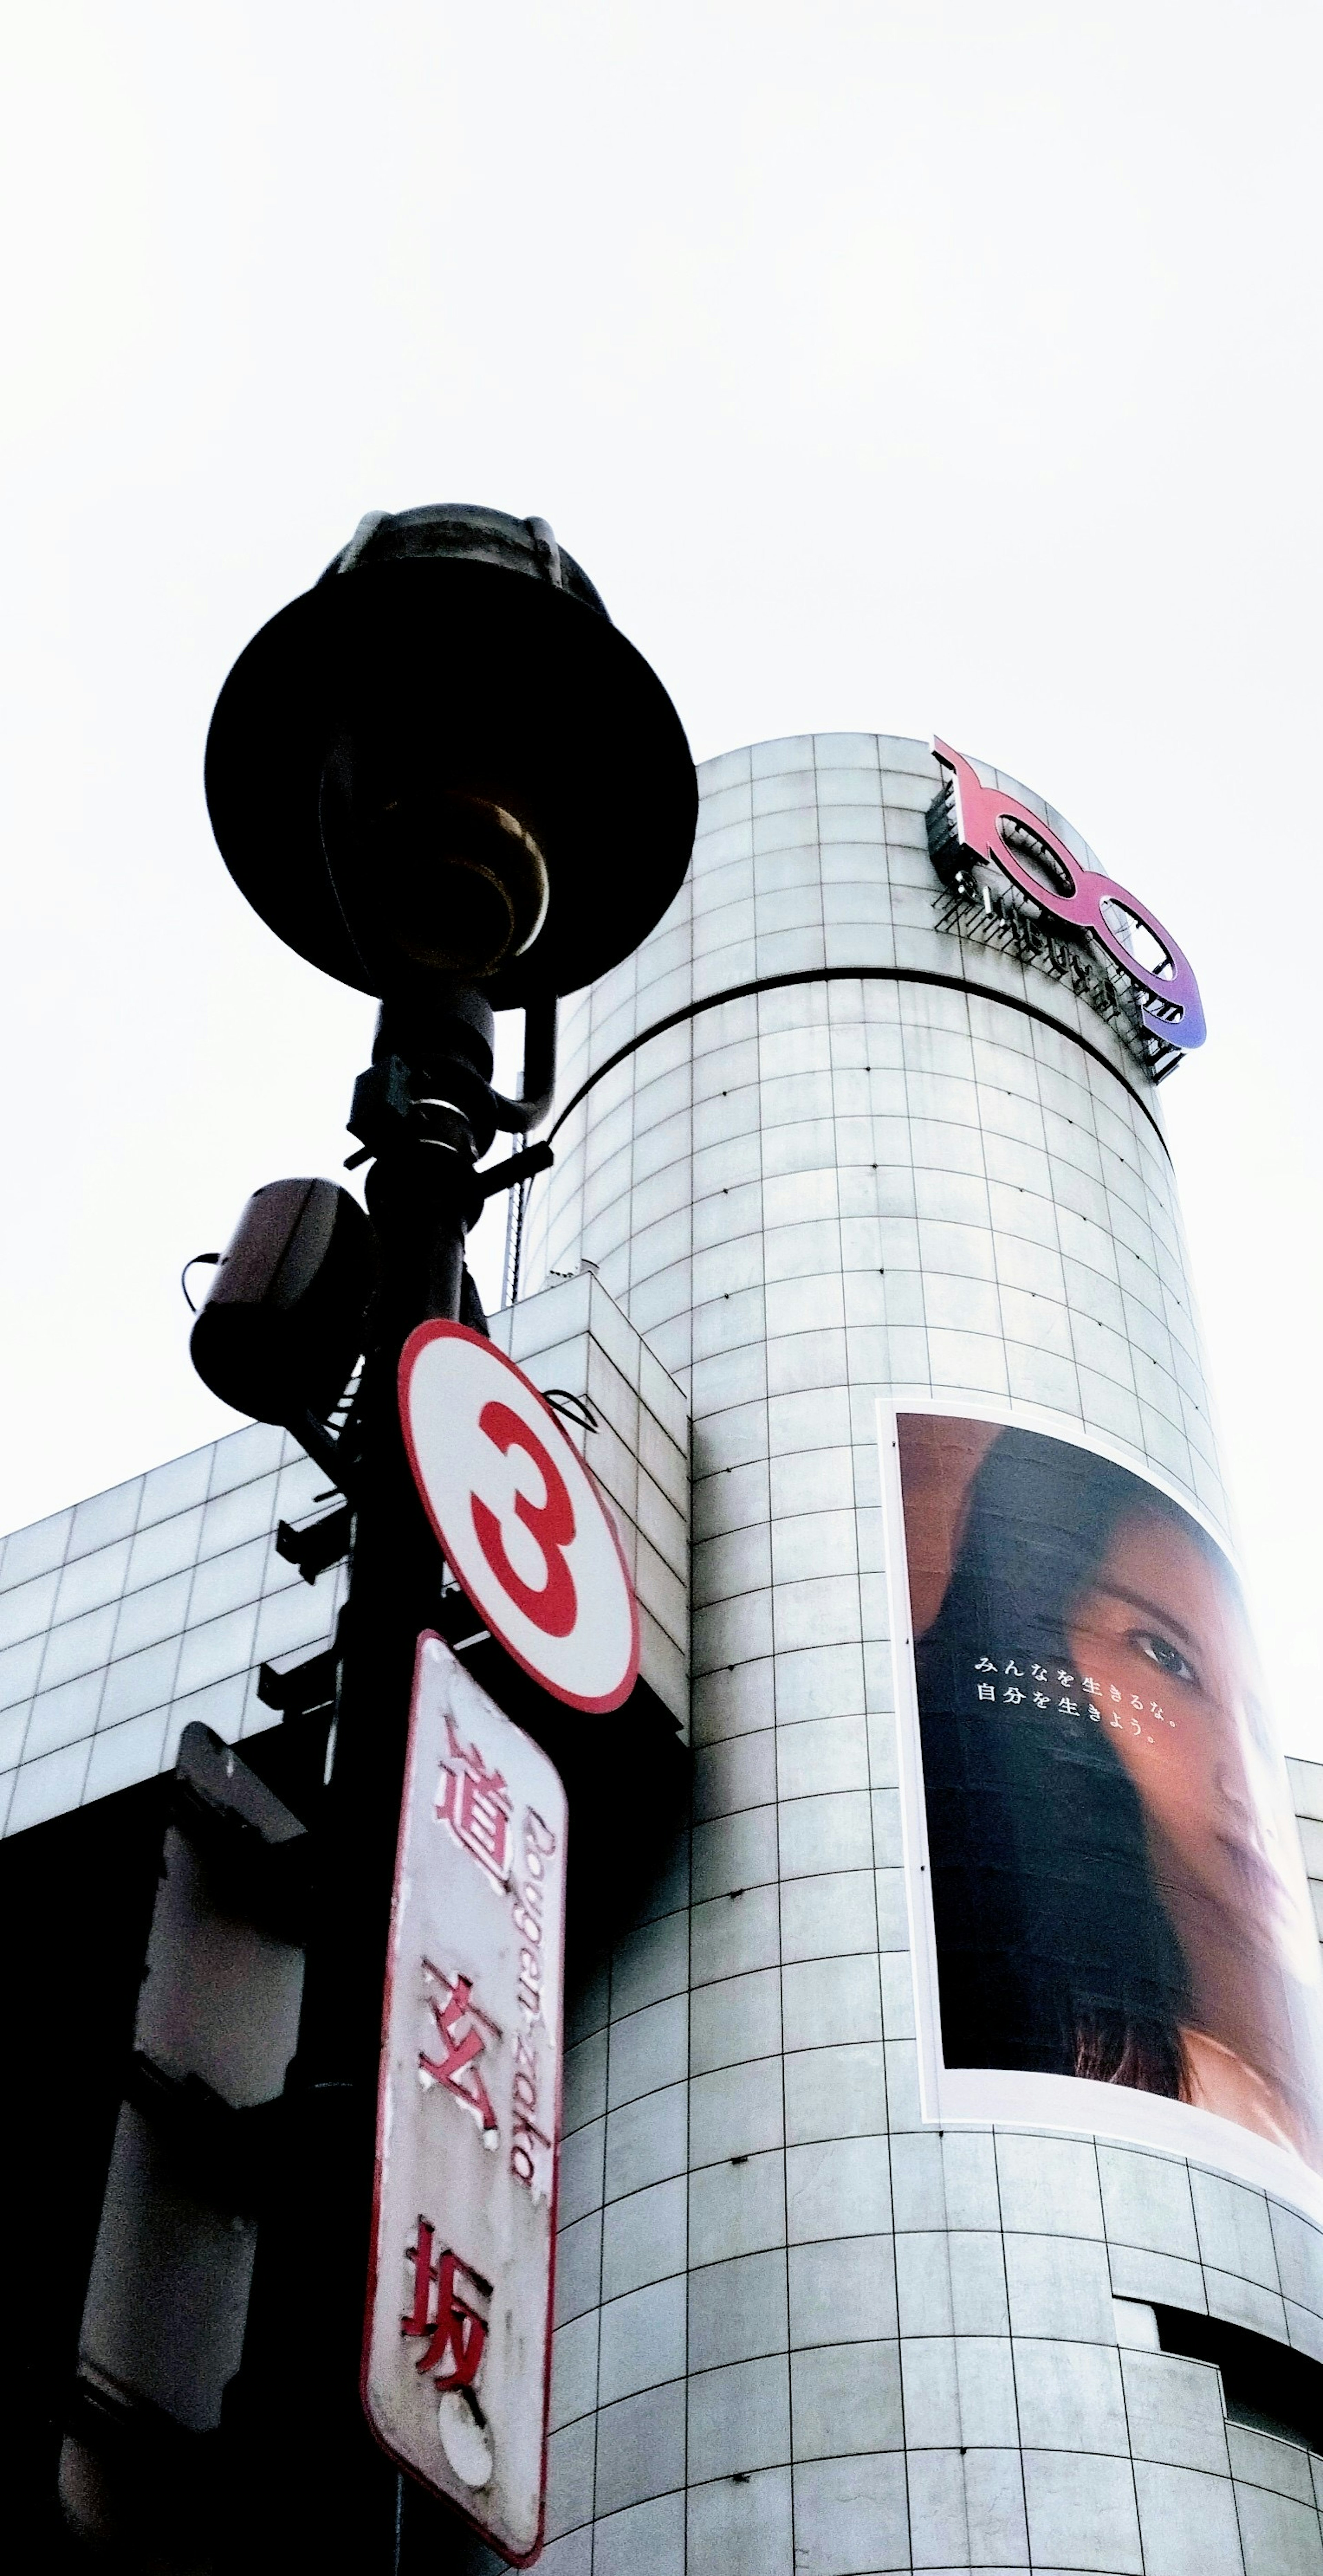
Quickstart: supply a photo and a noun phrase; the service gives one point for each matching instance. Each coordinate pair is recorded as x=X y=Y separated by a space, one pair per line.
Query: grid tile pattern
x=854 y=1185
x=1307 y=1792
x=126 y=1616
x=573 y=1339
x=797 y=2330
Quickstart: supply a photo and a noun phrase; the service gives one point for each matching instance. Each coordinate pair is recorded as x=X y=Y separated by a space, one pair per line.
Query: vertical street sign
x=457 y=2343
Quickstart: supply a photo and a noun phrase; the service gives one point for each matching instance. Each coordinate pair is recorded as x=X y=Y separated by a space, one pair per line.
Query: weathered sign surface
x=457 y=2341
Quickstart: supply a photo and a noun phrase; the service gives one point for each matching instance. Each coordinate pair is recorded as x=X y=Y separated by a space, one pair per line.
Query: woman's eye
x=1160 y=1651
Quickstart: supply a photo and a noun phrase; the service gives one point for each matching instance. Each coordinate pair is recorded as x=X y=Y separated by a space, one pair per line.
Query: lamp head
x=444 y=760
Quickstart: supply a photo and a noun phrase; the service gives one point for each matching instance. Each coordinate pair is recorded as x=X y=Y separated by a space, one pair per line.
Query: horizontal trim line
x=855 y=975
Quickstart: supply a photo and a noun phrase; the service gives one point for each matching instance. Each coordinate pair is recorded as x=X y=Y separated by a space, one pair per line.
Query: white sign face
x=457 y=2340
x=519 y=1517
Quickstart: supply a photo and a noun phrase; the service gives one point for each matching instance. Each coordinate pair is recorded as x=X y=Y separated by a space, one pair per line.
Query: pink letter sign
x=1079 y=902
x=458 y=2334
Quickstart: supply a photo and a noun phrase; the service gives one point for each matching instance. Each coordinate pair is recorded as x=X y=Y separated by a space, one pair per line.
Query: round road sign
x=519 y=1517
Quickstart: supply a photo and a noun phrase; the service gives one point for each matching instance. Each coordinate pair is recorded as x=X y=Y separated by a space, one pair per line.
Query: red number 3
x=553 y=1606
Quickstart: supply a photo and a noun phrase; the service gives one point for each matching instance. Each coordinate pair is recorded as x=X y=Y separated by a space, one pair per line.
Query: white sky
x=913 y=364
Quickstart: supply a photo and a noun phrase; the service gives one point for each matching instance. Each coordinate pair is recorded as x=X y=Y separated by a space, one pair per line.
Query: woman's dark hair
x=1054 y=1951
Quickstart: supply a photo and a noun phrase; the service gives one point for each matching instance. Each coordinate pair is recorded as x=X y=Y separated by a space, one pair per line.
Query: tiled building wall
x=572 y=1339
x=800 y=2332
x=961 y=1194
x=1307 y=1793
x=127 y=1615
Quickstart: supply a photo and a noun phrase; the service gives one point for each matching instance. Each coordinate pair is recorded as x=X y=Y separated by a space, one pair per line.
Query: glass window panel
x=791 y=907
x=139 y=1682
x=27 y=1610
x=81 y=1646
x=13 y=1728
x=243 y=1513
x=124 y=1755
x=47 y=1788
x=222 y=1582
x=88 y=1582
x=730 y=921
x=146 y=1617
x=724 y=769
x=786 y=751
x=776 y=833
x=36 y=1549
x=19 y=1666
x=175 y=1487
x=255 y=1451
x=63 y=1716
x=211 y=1653
x=786 y=790
x=723 y=874
x=104 y=1517
x=165 y=1547
x=843 y=784
x=292 y=1619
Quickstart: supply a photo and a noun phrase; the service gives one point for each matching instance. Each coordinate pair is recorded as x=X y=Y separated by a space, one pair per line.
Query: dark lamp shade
x=497 y=698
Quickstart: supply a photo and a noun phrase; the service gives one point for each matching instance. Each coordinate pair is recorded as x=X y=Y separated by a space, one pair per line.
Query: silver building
x=828 y=1139
x=824 y=1149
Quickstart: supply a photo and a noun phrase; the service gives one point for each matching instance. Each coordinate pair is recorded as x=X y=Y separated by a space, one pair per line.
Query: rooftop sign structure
x=1077 y=924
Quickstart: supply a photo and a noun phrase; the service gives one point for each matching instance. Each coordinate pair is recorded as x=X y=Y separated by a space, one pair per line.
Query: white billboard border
x=997 y=2097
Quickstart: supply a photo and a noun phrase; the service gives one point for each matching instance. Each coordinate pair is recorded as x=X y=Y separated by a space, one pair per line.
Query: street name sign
x=457 y=2342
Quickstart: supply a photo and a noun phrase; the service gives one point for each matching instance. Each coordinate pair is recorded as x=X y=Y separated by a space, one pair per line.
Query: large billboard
x=1111 y=1922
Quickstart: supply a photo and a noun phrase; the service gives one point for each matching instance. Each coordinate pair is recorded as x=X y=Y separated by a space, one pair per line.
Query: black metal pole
x=443 y=751
x=317 y=2480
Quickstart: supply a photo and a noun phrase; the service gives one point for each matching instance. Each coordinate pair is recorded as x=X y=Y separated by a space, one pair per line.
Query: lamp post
x=444 y=777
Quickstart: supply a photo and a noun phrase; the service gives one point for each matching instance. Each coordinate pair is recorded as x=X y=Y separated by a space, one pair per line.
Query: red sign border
x=428 y=1637
x=439 y=1330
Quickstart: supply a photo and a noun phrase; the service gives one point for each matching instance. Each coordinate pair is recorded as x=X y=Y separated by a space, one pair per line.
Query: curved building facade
x=942 y=2181
x=842 y=1151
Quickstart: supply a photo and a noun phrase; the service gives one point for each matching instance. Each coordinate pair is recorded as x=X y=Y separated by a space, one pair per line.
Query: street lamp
x=444 y=758
x=446 y=779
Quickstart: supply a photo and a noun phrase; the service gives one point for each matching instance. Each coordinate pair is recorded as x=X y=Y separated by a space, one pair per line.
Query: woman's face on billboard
x=1162 y=1632
x=1164 y=1626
